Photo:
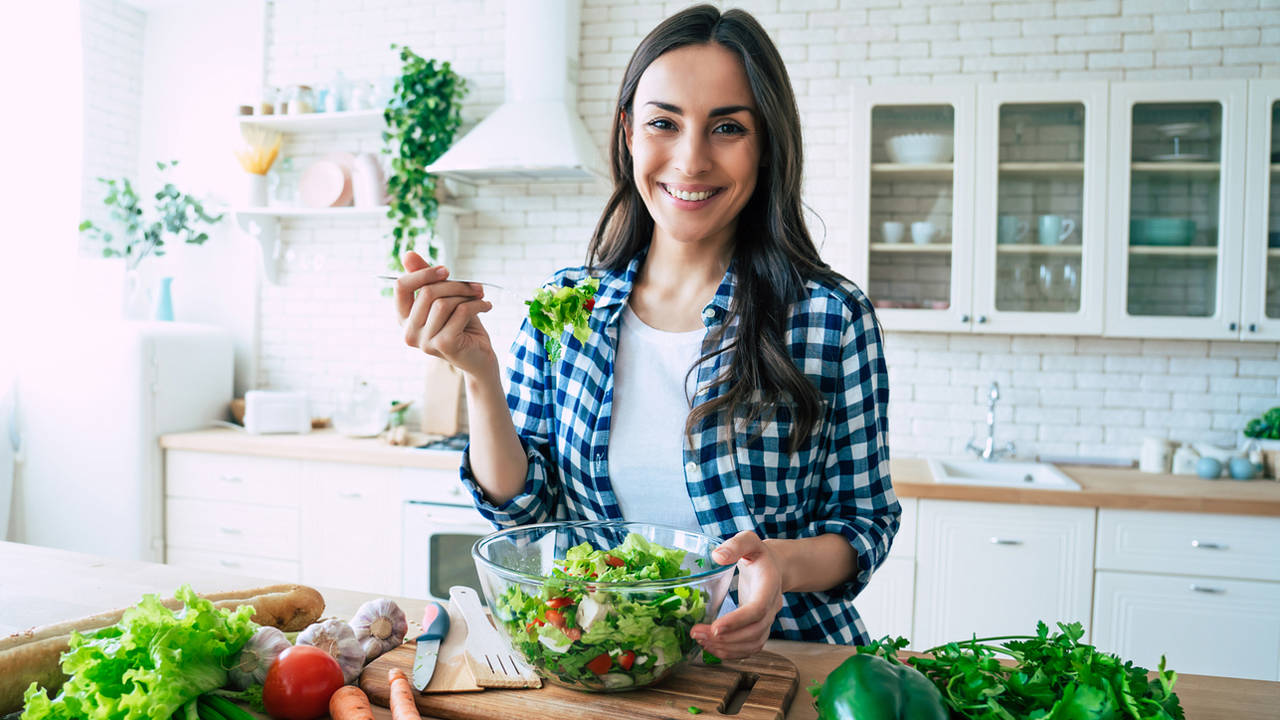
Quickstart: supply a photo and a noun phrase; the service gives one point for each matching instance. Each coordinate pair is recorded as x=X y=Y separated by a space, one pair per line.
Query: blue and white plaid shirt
x=836 y=482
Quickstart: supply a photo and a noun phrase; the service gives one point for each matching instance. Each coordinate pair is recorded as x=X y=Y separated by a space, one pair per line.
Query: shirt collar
x=615 y=288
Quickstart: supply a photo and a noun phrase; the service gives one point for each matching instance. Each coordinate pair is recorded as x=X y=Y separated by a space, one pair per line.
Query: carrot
x=350 y=703
x=402 y=705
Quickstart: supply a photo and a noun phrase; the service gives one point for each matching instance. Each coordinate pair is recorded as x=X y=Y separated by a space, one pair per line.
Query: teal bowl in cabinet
x=1162 y=231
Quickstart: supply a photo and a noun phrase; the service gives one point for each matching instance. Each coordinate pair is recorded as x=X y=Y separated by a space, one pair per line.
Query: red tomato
x=589 y=304
x=555 y=617
x=612 y=561
x=300 y=682
x=574 y=634
x=559 y=602
x=627 y=659
x=600 y=664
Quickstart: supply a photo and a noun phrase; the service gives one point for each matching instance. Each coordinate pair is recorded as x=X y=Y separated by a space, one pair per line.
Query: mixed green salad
x=601 y=639
x=555 y=309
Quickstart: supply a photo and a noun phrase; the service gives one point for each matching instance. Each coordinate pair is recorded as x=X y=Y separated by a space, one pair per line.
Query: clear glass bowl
x=647 y=623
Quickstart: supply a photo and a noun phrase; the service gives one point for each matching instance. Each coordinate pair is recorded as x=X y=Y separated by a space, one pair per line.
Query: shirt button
x=691 y=468
x=709 y=313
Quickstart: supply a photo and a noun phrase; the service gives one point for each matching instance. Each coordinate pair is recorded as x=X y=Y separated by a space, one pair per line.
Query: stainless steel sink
x=1032 y=475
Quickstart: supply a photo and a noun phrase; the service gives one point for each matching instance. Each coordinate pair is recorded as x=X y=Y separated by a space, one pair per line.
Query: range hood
x=536 y=133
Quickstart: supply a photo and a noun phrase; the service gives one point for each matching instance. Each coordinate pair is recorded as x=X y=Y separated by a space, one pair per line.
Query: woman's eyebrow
x=715 y=112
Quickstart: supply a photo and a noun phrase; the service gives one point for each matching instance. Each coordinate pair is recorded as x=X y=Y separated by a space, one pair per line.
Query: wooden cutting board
x=767 y=680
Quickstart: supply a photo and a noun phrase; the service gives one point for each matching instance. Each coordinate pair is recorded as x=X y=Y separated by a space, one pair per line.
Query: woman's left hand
x=742 y=633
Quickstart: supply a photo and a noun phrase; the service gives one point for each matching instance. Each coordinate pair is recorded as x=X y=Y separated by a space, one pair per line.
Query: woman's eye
x=661 y=124
x=730 y=129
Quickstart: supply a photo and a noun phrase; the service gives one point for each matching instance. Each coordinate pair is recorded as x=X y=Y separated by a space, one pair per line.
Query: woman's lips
x=690 y=195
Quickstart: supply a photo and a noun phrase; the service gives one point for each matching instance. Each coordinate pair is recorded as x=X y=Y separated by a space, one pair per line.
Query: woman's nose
x=693 y=156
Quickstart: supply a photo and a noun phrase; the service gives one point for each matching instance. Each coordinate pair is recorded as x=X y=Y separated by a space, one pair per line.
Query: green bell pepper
x=868 y=687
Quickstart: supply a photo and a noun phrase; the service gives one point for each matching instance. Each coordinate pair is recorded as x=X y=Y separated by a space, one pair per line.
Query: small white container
x=919 y=148
x=276 y=411
x=1157 y=455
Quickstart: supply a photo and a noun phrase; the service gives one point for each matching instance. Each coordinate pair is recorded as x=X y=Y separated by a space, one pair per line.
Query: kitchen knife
x=435 y=625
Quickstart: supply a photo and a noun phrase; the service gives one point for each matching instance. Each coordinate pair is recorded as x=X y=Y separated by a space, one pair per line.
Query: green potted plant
x=1264 y=432
x=135 y=232
x=422 y=117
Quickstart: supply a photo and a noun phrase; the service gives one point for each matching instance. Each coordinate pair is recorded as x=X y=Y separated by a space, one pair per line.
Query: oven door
x=437 y=548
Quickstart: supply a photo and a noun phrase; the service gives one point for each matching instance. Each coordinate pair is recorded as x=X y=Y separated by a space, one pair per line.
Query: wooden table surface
x=39 y=586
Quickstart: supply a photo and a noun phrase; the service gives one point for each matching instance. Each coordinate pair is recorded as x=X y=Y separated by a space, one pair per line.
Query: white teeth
x=694 y=196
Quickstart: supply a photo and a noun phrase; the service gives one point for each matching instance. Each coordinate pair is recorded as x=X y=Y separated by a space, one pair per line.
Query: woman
x=732 y=382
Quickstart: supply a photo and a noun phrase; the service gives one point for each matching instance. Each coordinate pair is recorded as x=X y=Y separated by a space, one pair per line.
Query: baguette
x=35 y=655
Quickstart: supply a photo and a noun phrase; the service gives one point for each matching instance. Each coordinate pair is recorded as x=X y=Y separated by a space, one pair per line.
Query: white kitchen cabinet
x=1199 y=588
x=1040 y=208
x=995 y=569
x=1260 y=299
x=923 y=285
x=887 y=602
x=1206 y=626
x=1177 y=156
x=351 y=527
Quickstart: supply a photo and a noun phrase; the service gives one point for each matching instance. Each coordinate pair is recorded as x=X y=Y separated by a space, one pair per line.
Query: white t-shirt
x=646 y=436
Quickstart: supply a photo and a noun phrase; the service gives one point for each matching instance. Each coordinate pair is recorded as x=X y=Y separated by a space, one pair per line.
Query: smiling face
x=695 y=142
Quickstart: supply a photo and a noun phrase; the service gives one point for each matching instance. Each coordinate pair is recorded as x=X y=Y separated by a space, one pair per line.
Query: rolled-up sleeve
x=527 y=396
x=856 y=498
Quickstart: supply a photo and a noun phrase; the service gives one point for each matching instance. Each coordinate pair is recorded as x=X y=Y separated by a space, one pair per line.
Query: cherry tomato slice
x=612 y=561
x=574 y=634
x=555 y=617
x=300 y=682
x=627 y=659
x=600 y=664
x=559 y=602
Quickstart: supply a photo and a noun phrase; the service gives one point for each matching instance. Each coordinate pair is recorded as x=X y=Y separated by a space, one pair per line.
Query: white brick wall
x=112 y=38
x=325 y=322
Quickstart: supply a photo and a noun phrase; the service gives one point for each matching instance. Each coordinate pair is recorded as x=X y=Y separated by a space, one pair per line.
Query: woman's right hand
x=442 y=320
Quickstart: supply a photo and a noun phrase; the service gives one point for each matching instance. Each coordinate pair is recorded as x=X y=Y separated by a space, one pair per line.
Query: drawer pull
x=1208 y=545
x=1207 y=589
x=231 y=478
x=229 y=563
x=230 y=531
x=1004 y=541
x=350 y=495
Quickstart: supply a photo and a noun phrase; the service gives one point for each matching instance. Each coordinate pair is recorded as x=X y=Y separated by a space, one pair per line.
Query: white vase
x=256 y=193
x=135 y=299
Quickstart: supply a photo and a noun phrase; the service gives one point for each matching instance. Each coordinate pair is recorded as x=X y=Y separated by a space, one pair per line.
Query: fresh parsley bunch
x=1053 y=676
x=555 y=309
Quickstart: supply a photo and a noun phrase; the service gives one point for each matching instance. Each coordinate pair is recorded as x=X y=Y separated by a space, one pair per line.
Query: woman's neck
x=678 y=279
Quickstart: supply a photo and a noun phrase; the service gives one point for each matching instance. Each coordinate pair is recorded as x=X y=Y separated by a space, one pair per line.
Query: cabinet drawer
x=1232 y=546
x=231 y=527
x=234 y=478
x=434 y=486
x=1206 y=626
x=278 y=570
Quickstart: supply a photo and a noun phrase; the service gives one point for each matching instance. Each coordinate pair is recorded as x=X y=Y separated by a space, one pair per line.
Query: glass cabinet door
x=1039 y=229
x=1178 y=159
x=911 y=213
x=1260 y=315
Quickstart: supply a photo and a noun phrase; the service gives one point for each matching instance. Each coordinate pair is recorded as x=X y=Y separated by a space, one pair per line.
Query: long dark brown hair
x=773 y=253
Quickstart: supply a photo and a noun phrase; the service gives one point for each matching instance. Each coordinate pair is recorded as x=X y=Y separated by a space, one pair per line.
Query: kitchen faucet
x=989 y=451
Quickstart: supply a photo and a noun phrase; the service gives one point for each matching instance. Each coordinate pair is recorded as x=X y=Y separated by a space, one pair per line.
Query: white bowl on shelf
x=919 y=148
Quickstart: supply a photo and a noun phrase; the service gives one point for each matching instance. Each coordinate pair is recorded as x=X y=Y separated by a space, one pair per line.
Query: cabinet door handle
x=231 y=478
x=1253 y=327
x=1232 y=327
x=982 y=319
x=1207 y=590
x=1208 y=545
x=230 y=531
x=229 y=563
x=964 y=318
x=1004 y=541
x=350 y=494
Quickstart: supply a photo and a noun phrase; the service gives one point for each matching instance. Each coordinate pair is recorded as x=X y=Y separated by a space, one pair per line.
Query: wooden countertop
x=1101 y=487
x=39 y=586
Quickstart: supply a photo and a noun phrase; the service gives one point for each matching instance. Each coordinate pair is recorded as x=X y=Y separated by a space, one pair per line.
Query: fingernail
x=440 y=272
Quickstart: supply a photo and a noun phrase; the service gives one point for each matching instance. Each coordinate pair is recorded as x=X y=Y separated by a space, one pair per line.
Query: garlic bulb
x=338 y=640
x=256 y=657
x=380 y=625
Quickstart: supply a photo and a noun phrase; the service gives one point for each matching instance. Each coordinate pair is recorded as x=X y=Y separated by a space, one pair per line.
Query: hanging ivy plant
x=422 y=117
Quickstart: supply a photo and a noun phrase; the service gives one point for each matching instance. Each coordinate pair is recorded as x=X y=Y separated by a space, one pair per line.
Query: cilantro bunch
x=555 y=309
x=1052 y=676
